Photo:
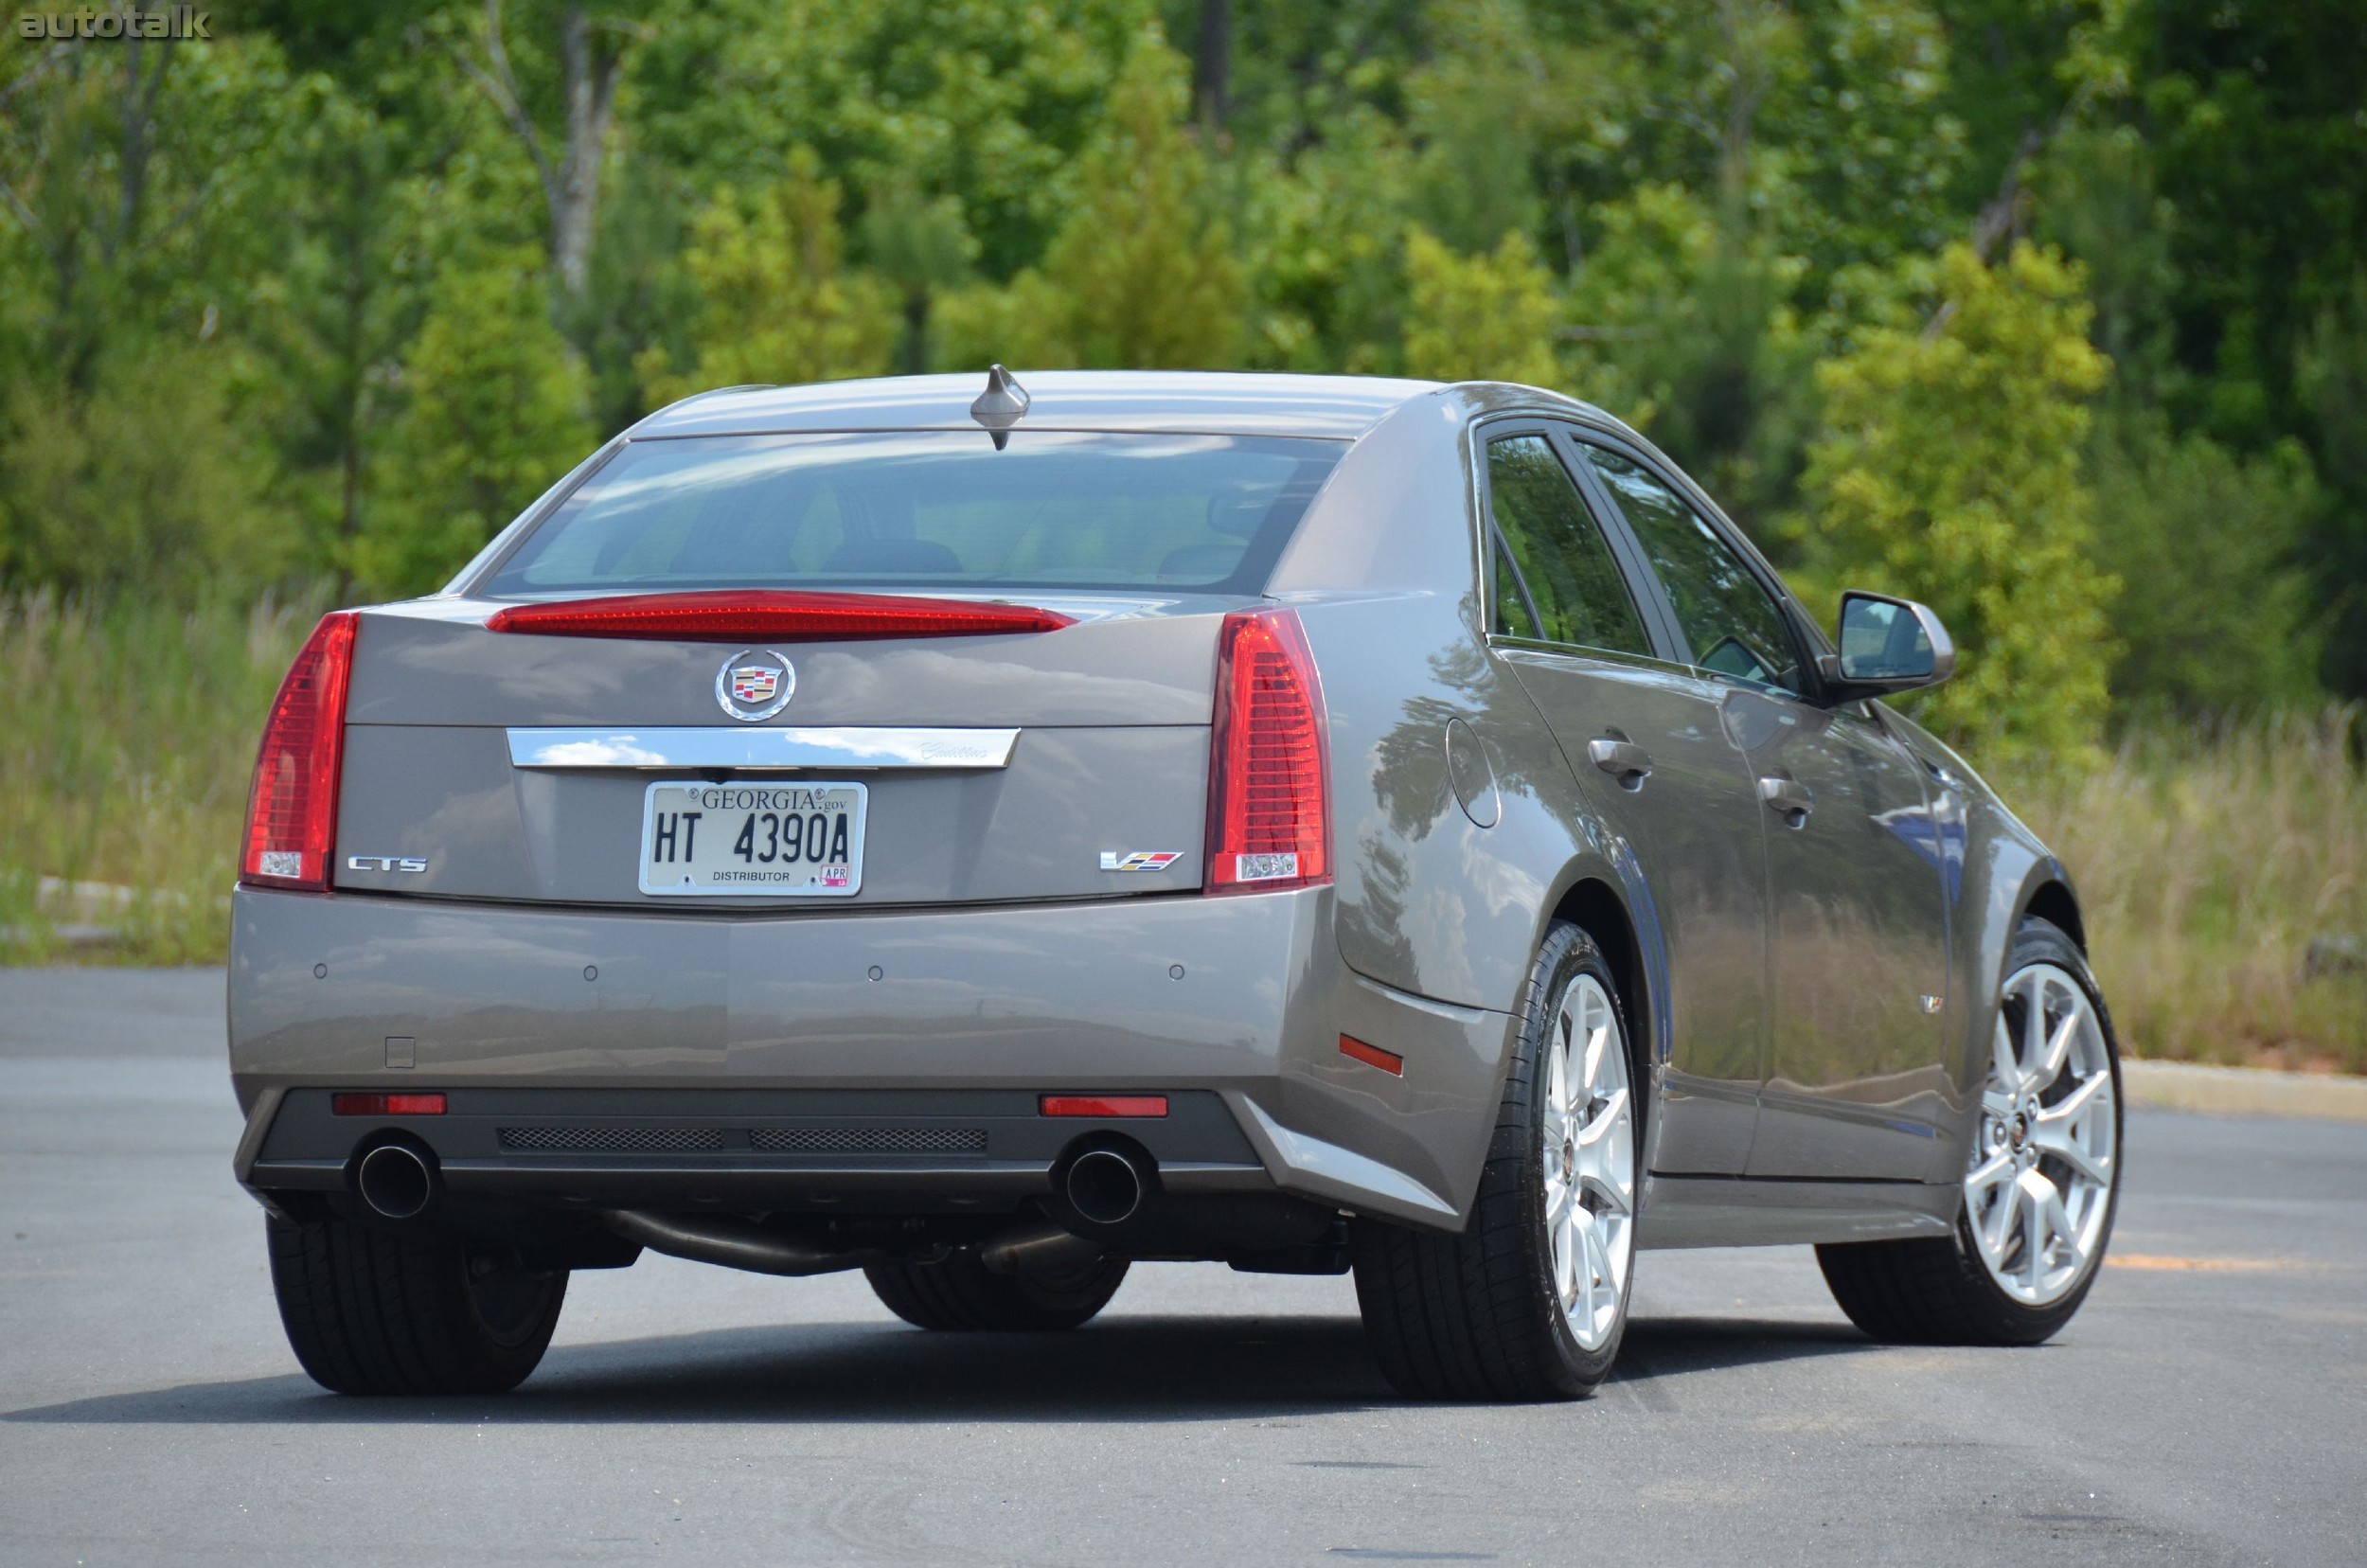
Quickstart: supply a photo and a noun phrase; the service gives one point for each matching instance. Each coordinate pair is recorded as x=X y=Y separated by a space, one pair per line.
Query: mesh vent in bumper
x=612 y=1140
x=869 y=1140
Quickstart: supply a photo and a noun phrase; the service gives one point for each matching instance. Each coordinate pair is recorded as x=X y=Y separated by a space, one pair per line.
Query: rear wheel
x=960 y=1293
x=374 y=1311
x=1531 y=1300
x=2040 y=1182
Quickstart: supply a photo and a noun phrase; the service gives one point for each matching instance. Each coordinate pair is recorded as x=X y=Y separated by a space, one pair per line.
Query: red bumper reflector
x=1372 y=1056
x=734 y=614
x=387 y=1105
x=1103 y=1105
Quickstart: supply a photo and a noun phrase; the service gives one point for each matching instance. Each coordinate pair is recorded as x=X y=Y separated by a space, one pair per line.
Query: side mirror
x=1887 y=646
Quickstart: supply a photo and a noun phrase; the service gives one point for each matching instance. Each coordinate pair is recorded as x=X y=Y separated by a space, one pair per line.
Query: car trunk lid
x=1064 y=762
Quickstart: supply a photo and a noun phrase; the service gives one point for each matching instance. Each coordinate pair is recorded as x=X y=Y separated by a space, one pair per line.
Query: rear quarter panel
x=1384 y=575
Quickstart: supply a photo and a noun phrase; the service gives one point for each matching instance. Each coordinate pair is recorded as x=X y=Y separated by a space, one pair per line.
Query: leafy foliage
x=1484 y=318
x=2217 y=618
x=252 y=261
x=1142 y=275
x=493 y=415
x=1947 y=469
x=776 y=305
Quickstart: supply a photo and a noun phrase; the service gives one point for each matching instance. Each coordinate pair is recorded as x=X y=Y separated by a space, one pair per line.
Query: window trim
x=1721 y=527
x=1626 y=559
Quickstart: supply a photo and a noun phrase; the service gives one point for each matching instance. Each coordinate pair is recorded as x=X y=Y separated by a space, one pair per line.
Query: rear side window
x=1731 y=622
x=1560 y=553
x=943 y=509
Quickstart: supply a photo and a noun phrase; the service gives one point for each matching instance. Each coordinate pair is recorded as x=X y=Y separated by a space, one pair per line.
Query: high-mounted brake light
x=291 y=807
x=771 y=616
x=1268 y=824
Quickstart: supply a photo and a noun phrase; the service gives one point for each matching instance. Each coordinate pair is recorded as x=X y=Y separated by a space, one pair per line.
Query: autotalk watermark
x=89 y=22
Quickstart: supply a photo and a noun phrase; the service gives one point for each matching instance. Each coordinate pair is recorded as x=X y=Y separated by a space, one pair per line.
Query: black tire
x=1475 y=1316
x=374 y=1311
x=1937 y=1290
x=958 y=1294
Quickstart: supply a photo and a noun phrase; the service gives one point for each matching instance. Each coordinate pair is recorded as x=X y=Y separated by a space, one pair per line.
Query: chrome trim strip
x=761 y=748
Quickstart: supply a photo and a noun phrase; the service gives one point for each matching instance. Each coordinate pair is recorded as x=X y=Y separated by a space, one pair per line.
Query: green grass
x=2207 y=858
x=127 y=736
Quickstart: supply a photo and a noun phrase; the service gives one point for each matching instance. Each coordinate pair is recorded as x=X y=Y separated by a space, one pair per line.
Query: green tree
x=2332 y=380
x=494 y=413
x=1949 y=468
x=1484 y=318
x=1142 y=275
x=150 y=481
x=922 y=248
x=1680 y=327
x=986 y=102
x=777 y=302
x=335 y=309
x=1321 y=244
x=641 y=303
x=2219 y=615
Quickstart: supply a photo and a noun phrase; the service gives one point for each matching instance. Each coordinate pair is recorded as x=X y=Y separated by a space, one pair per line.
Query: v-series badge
x=385 y=863
x=1139 y=860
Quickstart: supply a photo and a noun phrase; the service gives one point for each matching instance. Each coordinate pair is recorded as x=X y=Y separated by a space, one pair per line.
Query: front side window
x=1734 y=626
x=1561 y=554
x=928 y=509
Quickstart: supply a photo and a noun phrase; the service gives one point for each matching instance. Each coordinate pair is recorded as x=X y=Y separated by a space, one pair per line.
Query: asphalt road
x=2208 y=1406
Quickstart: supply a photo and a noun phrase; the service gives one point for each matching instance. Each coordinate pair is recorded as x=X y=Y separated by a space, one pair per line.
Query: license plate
x=770 y=841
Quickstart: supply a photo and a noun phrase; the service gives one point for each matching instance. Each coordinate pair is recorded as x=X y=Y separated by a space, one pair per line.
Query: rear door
x=1855 y=1081
x=1567 y=618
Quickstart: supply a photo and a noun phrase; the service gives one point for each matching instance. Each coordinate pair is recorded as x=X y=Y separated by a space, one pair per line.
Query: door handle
x=1791 y=797
x=1623 y=759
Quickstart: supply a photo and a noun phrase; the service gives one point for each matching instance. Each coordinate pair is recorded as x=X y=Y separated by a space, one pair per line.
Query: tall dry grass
x=2209 y=859
x=127 y=735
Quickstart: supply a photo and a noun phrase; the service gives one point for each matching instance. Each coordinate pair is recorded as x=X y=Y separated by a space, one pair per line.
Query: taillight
x=1266 y=818
x=291 y=810
x=771 y=616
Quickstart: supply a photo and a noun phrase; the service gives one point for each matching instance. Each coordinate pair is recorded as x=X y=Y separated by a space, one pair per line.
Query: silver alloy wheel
x=1588 y=1149
x=2040 y=1187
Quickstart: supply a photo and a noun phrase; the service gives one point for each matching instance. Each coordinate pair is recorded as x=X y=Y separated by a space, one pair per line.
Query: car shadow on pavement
x=1119 y=1370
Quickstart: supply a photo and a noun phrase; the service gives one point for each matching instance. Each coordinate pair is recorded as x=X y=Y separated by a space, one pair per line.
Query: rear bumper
x=829 y=1149
x=742 y=1025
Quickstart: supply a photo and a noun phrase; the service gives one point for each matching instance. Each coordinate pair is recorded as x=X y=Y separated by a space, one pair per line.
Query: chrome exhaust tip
x=1105 y=1185
x=397 y=1181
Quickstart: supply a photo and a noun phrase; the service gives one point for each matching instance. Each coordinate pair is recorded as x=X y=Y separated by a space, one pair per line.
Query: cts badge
x=754 y=684
x=1139 y=860
x=385 y=863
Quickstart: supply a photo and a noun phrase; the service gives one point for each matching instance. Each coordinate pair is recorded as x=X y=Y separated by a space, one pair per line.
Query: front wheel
x=1530 y=1301
x=2042 y=1179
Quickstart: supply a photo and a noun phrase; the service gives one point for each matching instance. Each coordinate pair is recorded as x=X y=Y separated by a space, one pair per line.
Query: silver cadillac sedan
x=987 y=836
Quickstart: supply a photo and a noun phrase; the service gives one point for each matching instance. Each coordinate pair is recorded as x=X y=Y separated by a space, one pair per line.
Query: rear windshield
x=935 y=509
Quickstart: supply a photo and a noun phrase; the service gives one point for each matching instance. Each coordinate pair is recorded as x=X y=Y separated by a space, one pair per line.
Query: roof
x=1217 y=402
